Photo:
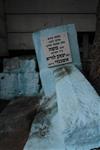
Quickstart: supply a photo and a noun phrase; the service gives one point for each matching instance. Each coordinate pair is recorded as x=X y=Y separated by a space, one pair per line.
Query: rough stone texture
x=46 y=74
x=19 y=78
x=73 y=123
x=15 y=122
x=11 y=65
x=79 y=106
x=46 y=128
x=28 y=83
x=78 y=103
x=8 y=85
x=19 y=64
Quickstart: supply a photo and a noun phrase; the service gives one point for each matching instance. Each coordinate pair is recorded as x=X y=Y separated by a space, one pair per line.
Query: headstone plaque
x=57 y=49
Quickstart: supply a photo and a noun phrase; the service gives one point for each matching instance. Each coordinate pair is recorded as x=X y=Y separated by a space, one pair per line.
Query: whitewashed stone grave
x=19 y=78
x=70 y=111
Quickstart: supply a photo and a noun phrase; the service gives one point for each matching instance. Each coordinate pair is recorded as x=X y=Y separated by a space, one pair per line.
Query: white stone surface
x=77 y=120
x=79 y=108
x=46 y=128
x=78 y=103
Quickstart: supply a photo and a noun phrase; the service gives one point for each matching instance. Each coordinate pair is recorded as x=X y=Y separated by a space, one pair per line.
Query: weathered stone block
x=19 y=64
x=28 y=83
x=8 y=85
x=78 y=103
x=11 y=65
x=46 y=74
x=27 y=65
x=46 y=128
x=79 y=107
x=19 y=78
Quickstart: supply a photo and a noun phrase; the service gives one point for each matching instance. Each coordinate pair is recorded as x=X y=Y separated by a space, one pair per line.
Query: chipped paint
x=19 y=78
x=46 y=74
x=75 y=125
x=60 y=72
x=79 y=107
x=46 y=131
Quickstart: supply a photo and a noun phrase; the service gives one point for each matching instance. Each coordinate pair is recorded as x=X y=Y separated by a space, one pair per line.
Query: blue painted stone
x=79 y=108
x=78 y=102
x=28 y=84
x=46 y=133
x=19 y=78
x=11 y=65
x=72 y=36
x=48 y=81
x=8 y=85
x=75 y=125
x=27 y=65
x=46 y=74
x=17 y=64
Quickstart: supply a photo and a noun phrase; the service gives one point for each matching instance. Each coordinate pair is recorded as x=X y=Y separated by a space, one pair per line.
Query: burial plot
x=69 y=118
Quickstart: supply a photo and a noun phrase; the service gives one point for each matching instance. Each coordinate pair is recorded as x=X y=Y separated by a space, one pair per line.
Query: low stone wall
x=19 y=78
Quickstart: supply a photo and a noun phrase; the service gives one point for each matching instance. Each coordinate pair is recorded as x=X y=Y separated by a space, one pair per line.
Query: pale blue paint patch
x=46 y=130
x=74 y=45
x=19 y=78
x=77 y=121
x=8 y=85
x=79 y=108
x=78 y=103
x=21 y=84
x=45 y=73
x=48 y=81
x=52 y=141
x=17 y=64
x=28 y=84
x=11 y=65
x=72 y=36
x=27 y=65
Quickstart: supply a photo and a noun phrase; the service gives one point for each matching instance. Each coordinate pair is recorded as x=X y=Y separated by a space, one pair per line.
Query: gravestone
x=65 y=51
x=8 y=85
x=19 y=78
x=77 y=110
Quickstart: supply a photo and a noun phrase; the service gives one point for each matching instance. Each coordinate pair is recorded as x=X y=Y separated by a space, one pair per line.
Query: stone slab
x=46 y=74
x=79 y=108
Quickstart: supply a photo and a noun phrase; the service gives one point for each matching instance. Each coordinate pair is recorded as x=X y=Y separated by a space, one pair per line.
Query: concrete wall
x=3 y=34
